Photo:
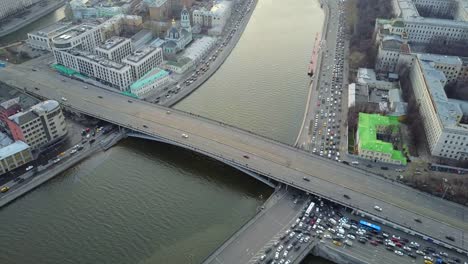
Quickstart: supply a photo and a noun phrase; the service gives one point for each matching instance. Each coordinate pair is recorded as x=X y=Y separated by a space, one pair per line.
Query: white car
x=326 y=236
x=378 y=208
x=407 y=248
x=351 y=237
x=184 y=135
x=29 y=168
x=64 y=99
x=399 y=253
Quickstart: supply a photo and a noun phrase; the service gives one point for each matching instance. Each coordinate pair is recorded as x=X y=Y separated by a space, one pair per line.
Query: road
x=276 y=160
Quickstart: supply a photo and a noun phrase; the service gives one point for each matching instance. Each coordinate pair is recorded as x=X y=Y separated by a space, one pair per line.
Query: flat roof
x=112 y=43
x=55 y=28
x=151 y=76
x=32 y=113
x=12 y=149
x=96 y=58
x=74 y=32
x=139 y=54
x=5 y=140
x=180 y=62
x=455 y=60
x=367 y=129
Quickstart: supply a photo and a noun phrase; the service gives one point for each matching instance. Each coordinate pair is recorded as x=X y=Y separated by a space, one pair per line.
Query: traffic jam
x=334 y=225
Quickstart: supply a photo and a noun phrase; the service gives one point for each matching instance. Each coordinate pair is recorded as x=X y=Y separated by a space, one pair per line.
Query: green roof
x=398 y=23
x=64 y=70
x=367 y=129
x=127 y=93
x=149 y=77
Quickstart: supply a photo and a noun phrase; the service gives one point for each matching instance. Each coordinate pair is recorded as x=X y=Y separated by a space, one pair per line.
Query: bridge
x=255 y=154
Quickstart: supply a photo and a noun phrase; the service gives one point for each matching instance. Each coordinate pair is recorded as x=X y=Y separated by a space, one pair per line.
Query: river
x=146 y=202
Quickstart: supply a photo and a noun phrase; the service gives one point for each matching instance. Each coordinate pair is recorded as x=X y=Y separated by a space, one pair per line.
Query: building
x=371 y=127
x=389 y=51
x=215 y=18
x=151 y=82
x=42 y=38
x=11 y=7
x=40 y=126
x=443 y=119
x=112 y=73
x=13 y=154
x=199 y=48
x=84 y=36
x=178 y=37
x=143 y=60
x=369 y=78
x=181 y=65
x=82 y=9
x=115 y=48
x=159 y=10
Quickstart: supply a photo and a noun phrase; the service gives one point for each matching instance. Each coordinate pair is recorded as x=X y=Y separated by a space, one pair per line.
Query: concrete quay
x=49 y=171
x=36 y=12
x=187 y=90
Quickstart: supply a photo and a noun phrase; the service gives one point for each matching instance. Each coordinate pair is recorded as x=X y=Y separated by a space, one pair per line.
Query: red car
x=398 y=245
x=395 y=240
x=374 y=243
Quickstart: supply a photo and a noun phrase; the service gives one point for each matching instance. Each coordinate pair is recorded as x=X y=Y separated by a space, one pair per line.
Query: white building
x=42 y=38
x=13 y=154
x=115 y=74
x=447 y=136
x=199 y=48
x=180 y=66
x=151 y=82
x=41 y=125
x=84 y=36
x=11 y=7
x=115 y=48
x=143 y=60
x=215 y=18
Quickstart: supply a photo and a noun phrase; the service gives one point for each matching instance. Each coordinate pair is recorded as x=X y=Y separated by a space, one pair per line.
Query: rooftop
x=12 y=149
x=5 y=140
x=155 y=3
x=442 y=59
x=180 y=62
x=149 y=77
x=448 y=112
x=367 y=129
x=221 y=8
x=56 y=28
x=74 y=32
x=112 y=43
x=139 y=54
x=32 y=113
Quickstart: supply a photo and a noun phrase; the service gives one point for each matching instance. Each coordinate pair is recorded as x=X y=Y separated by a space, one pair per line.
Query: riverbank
x=187 y=90
x=36 y=12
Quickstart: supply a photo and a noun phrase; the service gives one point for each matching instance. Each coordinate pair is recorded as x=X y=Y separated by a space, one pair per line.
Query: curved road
x=273 y=159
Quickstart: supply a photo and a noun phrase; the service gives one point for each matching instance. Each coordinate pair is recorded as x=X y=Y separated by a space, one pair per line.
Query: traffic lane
x=254 y=238
x=137 y=110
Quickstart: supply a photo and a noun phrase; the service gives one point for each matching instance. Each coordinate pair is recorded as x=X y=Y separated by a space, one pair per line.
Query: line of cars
x=326 y=132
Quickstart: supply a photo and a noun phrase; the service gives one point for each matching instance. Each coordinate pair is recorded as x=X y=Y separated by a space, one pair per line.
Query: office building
x=143 y=60
x=84 y=36
x=150 y=83
x=42 y=38
x=115 y=48
x=11 y=7
x=40 y=126
x=443 y=118
x=13 y=154
x=115 y=74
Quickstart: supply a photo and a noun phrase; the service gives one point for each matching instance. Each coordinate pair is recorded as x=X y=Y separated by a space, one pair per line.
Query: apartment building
x=115 y=74
x=143 y=60
x=115 y=48
x=442 y=117
x=40 y=126
x=11 y=7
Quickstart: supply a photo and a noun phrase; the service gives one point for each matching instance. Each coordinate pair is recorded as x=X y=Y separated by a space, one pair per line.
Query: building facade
x=11 y=7
x=84 y=36
x=143 y=60
x=150 y=83
x=41 y=125
x=42 y=38
x=13 y=154
x=447 y=136
x=215 y=18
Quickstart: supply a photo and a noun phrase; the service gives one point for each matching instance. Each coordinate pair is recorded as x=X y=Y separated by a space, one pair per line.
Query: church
x=178 y=37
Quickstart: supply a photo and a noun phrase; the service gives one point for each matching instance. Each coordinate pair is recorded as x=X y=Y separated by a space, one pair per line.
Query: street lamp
x=446 y=187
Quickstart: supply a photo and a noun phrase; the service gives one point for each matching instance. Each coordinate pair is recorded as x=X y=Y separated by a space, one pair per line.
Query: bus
x=309 y=209
x=370 y=226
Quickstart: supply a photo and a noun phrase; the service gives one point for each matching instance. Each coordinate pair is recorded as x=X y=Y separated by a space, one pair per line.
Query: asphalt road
x=276 y=160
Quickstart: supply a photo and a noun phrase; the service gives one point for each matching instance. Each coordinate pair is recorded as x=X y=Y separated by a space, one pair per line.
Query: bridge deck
x=273 y=159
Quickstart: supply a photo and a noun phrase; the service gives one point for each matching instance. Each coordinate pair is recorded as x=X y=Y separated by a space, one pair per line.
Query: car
x=276 y=243
x=4 y=189
x=345 y=195
x=86 y=87
x=262 y=257
x=420 y=252
x=378 y=208
x=276 y=255
x=351 y=236
x=21 y=180
x=64 y=99
x=246 y=157
x=337 y=243
x=56 y=160
x=398 y=252
x=73 y=151
x=30 y=167
x=145 y=126
x=411 y=255
x=130 y=101
x=443 y=254
x=92 y=141
x=184 y=135
x=407 y=248
x=451 y=238
x=374 y=243
x=285 y=253
x=306 y=179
